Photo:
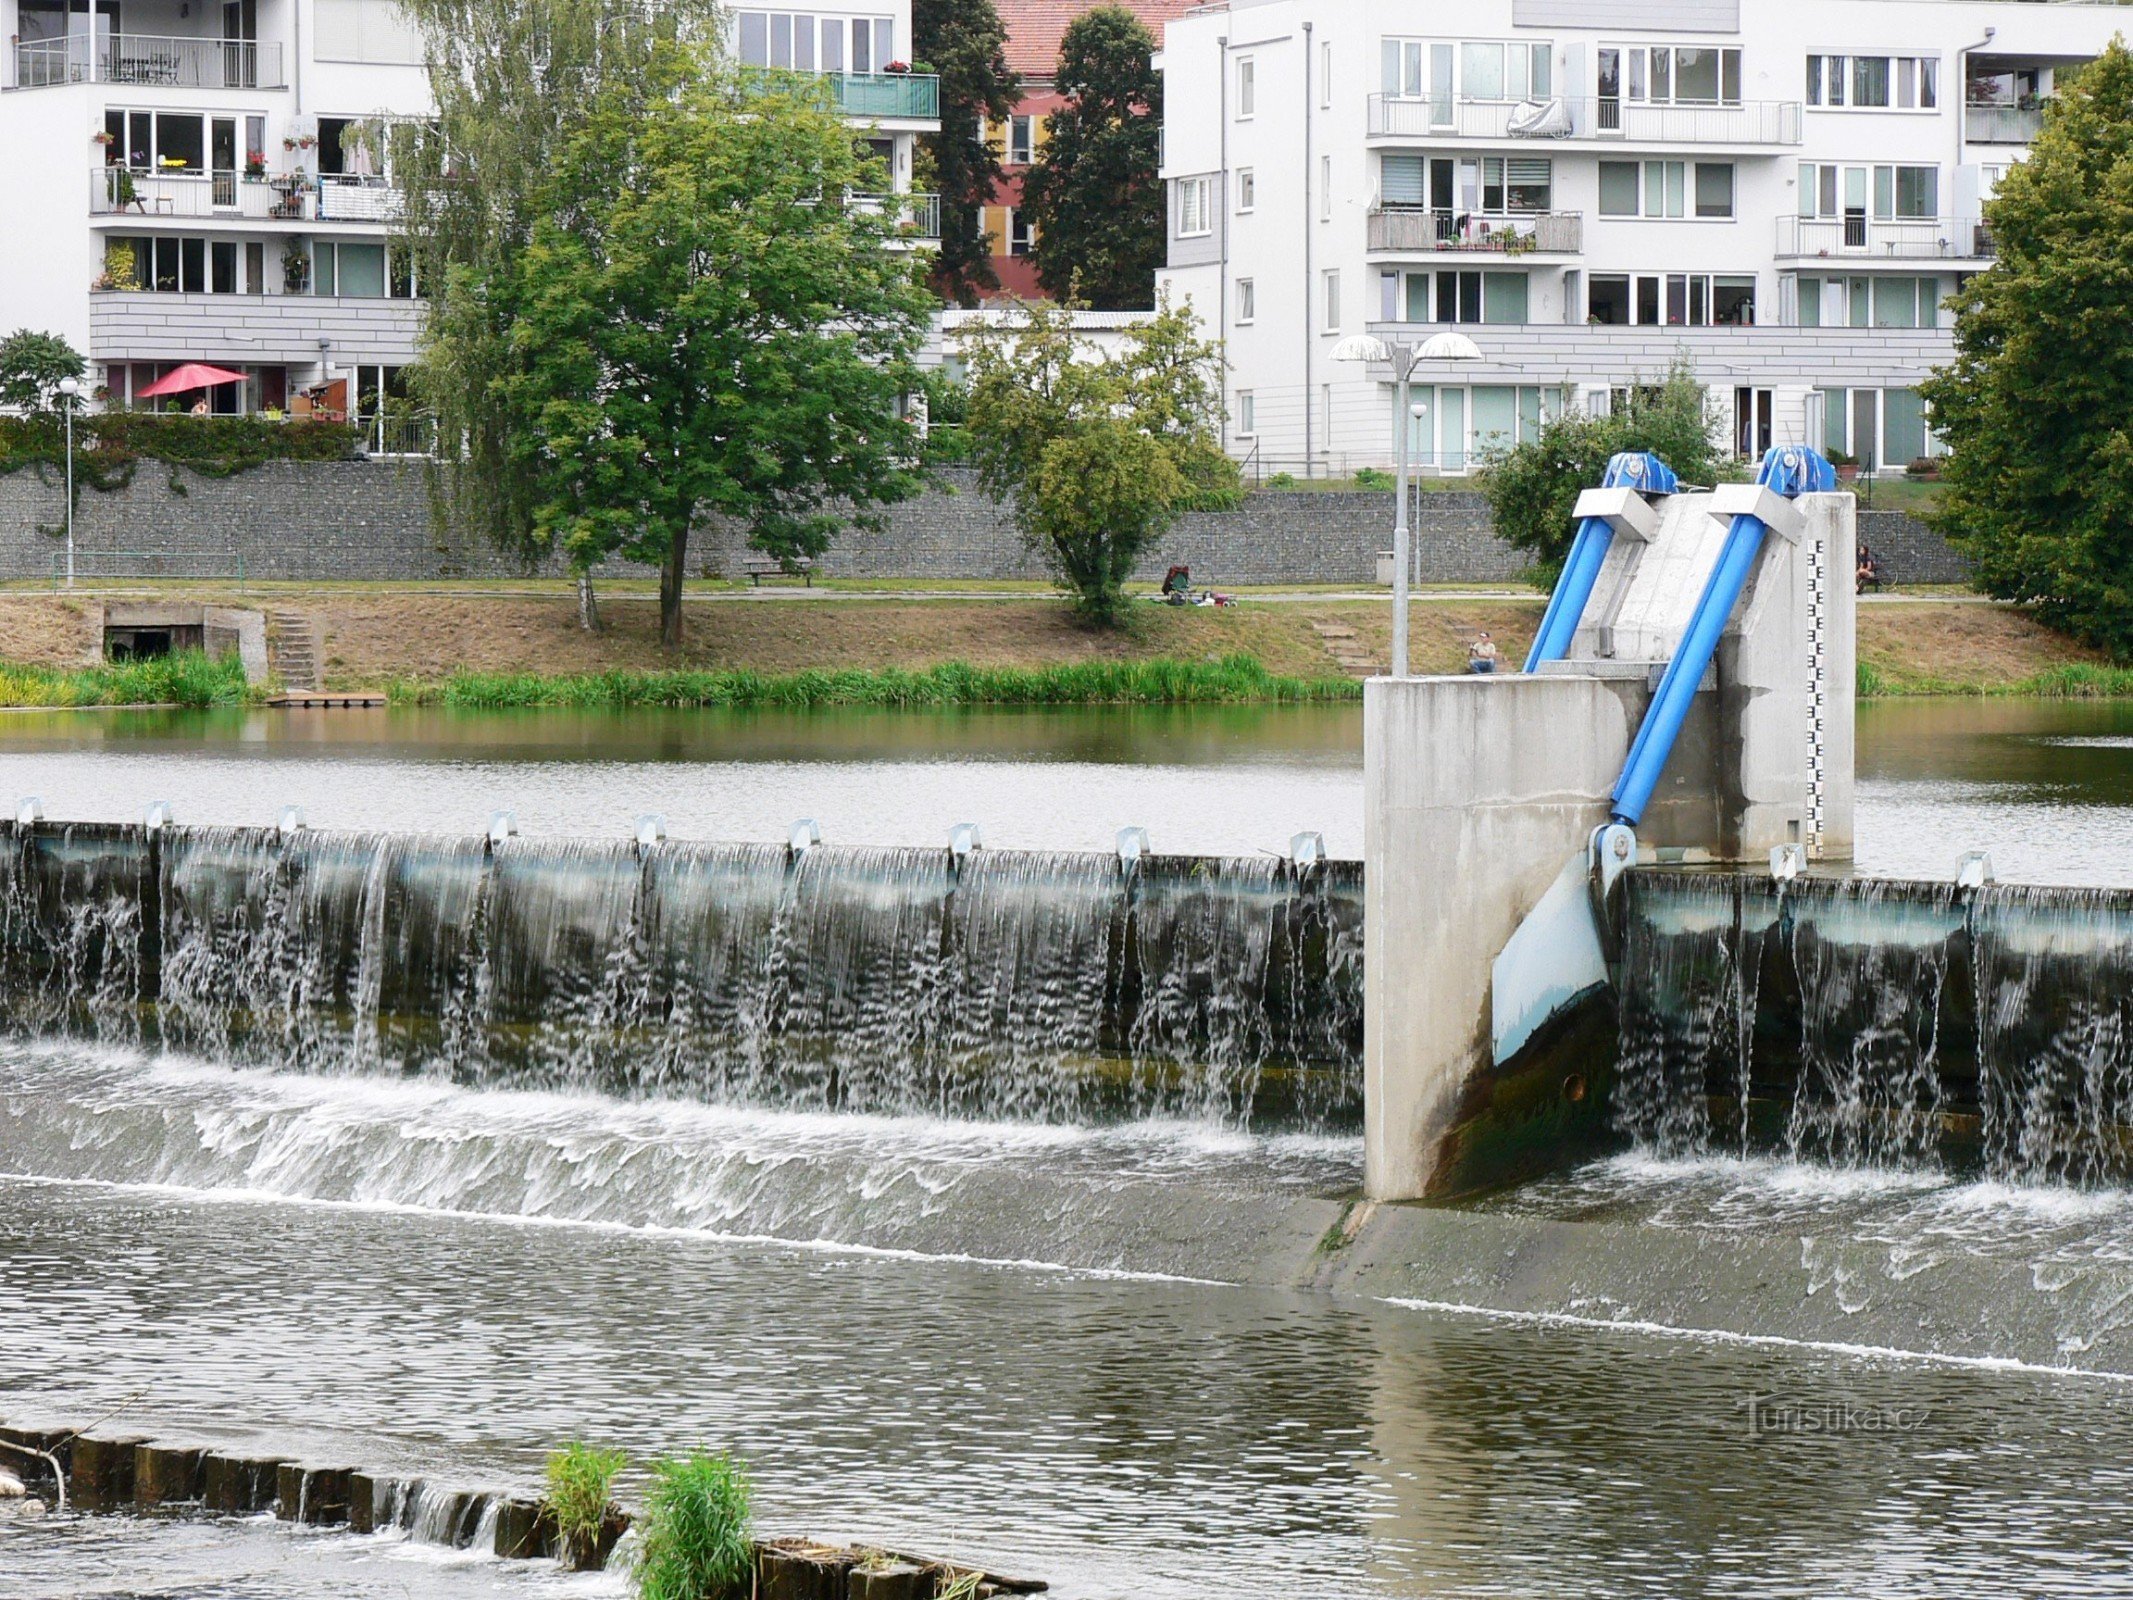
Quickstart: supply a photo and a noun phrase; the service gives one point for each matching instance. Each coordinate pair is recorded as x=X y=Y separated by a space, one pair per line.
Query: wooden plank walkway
x=319 y=698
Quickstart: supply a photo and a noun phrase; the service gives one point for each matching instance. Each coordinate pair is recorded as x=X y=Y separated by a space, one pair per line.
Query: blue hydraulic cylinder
x=1791 y=471
x=1566 y=607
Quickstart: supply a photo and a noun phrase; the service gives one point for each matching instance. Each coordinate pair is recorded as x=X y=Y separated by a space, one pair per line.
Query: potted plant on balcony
x=1847 y=466
x=295 y=268
x=104 y=137
x=898 y=67
x=255 y=165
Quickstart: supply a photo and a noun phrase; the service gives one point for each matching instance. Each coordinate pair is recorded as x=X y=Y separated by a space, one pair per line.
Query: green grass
x=186 y=678
x=1233 y=680
x=697 y=1544
x=580 y=1488
x=2077 y=680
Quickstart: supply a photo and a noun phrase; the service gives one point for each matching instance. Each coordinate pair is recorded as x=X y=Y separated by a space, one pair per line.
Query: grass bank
x=2079 y=680
x=1232 y=680
x=188 y=678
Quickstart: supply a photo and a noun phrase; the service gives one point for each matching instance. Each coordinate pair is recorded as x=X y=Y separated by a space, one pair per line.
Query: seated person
x=1481 y=655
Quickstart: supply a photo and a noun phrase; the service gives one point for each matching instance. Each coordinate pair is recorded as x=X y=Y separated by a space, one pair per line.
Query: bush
x=1282 y=480
x=109 y=445
x=1372 y=478
x=1533 y=487
x=580 y=1484
x=697 y=1544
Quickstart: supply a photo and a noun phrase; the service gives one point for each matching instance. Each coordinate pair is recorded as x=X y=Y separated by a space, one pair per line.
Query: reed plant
x=2073 y=680
x=1231 y=680
x=184 y=678
x=697 y=1544
x=581 y=1481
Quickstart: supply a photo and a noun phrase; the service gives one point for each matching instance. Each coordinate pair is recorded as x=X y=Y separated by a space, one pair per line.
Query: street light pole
x=1404 y=366
x=69 y=393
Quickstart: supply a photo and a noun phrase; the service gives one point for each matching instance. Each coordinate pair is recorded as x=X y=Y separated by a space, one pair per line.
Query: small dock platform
x=319 y=698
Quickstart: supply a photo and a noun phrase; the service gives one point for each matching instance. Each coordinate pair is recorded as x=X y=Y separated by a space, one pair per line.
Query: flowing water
x=908 y=1181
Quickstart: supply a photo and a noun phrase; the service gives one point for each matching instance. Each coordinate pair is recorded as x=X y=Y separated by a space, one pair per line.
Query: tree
x=1093 y=192
x=694 y=323
x=1533 y=487
x=31 y=368
x=1098 y=455
x=966 y=43
x=2037 y=407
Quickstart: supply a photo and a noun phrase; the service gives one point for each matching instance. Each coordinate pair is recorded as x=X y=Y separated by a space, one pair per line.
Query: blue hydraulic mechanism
x=1637 y=470
x=1787 y=473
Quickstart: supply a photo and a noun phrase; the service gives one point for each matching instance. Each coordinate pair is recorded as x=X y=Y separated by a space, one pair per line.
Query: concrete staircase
x=292 y=650
x=1346 y=649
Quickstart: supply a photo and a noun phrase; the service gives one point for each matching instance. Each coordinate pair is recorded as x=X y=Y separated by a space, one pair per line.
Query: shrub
x=580 y=1484
x=1282 y=480
x=1373 y=478
x=697 y=1544
x=108 y=445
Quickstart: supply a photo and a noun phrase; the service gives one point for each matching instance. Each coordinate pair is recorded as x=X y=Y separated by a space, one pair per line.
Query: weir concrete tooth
x=103 y=1473
x=894 y=1580
x=797 y=1569
x=370 y=1498
x=524 y=1530
x=166 y=1475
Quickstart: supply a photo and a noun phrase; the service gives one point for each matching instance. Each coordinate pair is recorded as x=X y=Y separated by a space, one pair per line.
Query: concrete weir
x=1482 y=794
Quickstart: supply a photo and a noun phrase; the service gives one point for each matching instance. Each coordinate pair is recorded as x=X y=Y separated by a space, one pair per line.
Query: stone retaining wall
x=328 y=521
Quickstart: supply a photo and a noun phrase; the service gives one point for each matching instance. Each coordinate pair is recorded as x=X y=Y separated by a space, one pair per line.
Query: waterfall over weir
x=1000 y=984
x=1880 y=1023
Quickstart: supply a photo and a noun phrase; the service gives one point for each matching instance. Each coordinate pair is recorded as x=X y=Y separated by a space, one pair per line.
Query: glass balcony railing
x=913 y=95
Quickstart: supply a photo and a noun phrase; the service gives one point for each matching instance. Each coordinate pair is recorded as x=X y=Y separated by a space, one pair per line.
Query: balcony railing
x=150 y=59
x=1994 y=124
x=1604 y=121
x=912 y=95
x=387 y=433
x=1546 y=233
x=919 y=213
x=1877 y=239
x=281 y=197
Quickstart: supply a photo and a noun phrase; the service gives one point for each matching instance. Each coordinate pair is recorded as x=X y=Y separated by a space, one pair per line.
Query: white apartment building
x=1783 y=193
x=189 y=180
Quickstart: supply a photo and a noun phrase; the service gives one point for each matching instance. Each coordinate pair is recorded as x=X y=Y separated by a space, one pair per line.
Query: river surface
x=459 y=1279
x=2047 y=787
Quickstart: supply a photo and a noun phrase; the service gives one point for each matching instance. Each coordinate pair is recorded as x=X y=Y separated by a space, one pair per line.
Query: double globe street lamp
x=1404 y=360
x=69 y=398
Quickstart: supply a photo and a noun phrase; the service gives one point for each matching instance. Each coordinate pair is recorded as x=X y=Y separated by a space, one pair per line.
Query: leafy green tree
x=1533 y=487
x=966 y=43
x=2037 y=407
x=1099 y=455
x=31 y=368
x=1093 y=192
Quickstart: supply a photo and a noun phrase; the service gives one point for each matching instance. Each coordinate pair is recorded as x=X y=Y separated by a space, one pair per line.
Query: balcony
x=150 y=59
x=1860 y=239
x=920 y=214
x=233 y=197
x=887 y=96
x=233 y=329
x=1588 y=120
x=1416 y=228
x=1987 y=123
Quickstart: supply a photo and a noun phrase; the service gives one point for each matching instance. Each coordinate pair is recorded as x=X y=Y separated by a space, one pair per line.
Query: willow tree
x=2037 y=407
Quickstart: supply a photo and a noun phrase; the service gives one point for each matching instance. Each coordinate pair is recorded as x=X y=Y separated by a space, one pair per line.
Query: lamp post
x=1403 y=359
x=69 y=397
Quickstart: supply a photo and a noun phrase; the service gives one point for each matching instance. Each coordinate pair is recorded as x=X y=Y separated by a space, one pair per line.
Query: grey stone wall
x=371 y=520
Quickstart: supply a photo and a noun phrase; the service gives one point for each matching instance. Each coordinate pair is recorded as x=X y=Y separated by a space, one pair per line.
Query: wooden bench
x=760 y=567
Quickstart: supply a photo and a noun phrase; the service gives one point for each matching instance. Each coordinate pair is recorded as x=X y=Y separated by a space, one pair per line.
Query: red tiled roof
x=1035 y=27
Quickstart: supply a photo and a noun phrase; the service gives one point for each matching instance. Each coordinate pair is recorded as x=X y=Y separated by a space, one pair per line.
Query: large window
x=1468 y=185
x=167 y=264
x=1450 y=429
x=373 y=31
x=800 y=41
x=1415 y=69
x=1661 y=189
x=1678 y=299
x=1021 y=140
x=1875 y=427
x=1454 y=295
x=1830 y=193
x=1669 y=75
x=1195 y=215
x=1874 y=83
x=1859 y=301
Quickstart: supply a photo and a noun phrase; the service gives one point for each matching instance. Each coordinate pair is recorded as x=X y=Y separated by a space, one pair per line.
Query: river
x=457 y=1279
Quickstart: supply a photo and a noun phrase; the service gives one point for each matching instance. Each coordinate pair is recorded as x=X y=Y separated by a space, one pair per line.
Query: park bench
x=760 y=567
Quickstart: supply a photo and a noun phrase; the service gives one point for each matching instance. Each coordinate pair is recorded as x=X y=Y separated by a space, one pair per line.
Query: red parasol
x=193 y=375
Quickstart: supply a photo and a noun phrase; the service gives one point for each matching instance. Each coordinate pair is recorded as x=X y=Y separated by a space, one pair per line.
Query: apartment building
x=195 y=180
x=1783 y=194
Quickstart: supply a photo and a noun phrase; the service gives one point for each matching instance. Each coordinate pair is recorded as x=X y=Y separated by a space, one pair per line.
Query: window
x=1330 y=286
x=1021 y=232
x=1876 y=427
x=1021 y=140
x=1831 y=193
x=1466 y=185
x=364 y=30
x=1325 y=188
x=1414 y=68
x=1195 y=215
x=1247 y=301
x=1714 y=188
x=1663 y=75
x=1325 y=75
x=1874 y=83
x=1247 y=189
x=1246 y=87
x=152 y=141
x=803 y=42
x=1907 y=192
x=1679 y=299
x=1618 y=189
x=1247 y=413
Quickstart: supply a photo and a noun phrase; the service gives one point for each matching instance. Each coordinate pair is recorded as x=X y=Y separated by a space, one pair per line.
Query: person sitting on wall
x=1481 y=655
x=1869 y=574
